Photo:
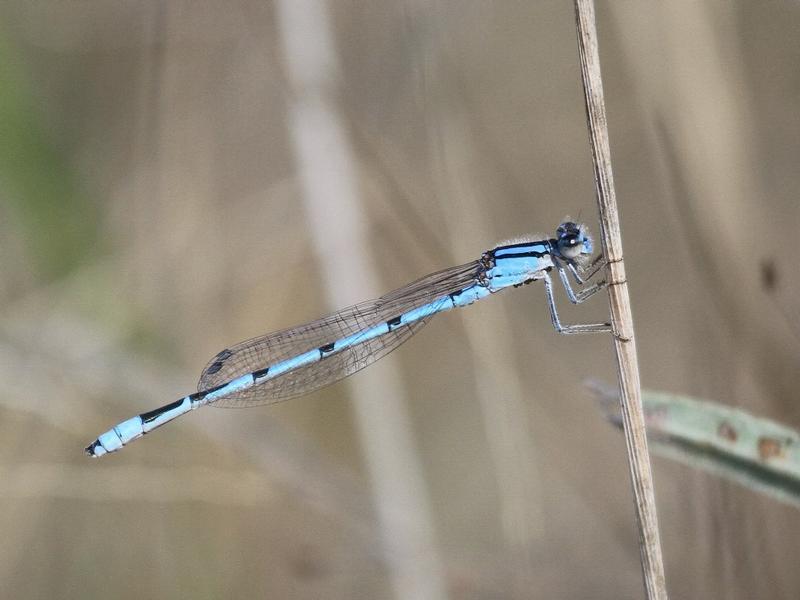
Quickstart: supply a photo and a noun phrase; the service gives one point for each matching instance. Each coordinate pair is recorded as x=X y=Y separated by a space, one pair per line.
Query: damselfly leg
x=577 y=298
x=570 y=329
x=584 y=274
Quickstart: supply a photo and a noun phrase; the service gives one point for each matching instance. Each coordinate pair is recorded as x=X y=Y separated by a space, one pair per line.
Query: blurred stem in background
x=39 y=189
x=326 y=170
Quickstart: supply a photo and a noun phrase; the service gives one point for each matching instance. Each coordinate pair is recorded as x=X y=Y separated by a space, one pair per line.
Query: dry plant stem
x=621 y=320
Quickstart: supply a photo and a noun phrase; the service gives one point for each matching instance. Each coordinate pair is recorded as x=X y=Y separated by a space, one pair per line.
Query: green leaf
x=728 y=442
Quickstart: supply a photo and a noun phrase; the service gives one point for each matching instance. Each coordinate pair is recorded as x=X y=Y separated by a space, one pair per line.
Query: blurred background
x=179 y=176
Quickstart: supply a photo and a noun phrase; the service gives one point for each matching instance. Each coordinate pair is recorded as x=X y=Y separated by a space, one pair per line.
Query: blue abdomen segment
x=120 y=435
x=127 y=431
x=235 y=385
x=407 y=318
x=426 y=310
x=469 y=295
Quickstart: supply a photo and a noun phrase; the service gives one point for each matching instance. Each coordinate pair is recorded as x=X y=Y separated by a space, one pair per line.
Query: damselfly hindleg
x=569 y=329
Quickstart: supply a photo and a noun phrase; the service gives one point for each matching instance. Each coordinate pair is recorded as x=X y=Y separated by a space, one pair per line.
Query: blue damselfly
x=299 y=360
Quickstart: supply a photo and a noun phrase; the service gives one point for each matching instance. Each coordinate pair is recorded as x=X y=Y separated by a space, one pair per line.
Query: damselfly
x=299 y=360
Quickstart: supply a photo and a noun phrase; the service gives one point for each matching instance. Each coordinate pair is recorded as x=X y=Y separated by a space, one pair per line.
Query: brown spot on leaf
x=727 y=431
x=769 y=448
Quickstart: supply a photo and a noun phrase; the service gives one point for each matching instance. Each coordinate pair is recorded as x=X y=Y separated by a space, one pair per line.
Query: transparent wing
x=266 y=350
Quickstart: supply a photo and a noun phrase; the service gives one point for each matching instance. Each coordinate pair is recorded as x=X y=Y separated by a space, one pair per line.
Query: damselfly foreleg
x=577 y=298
x=584 y=274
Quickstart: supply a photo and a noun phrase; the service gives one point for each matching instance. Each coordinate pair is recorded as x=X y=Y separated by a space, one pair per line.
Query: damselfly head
x=573 y=240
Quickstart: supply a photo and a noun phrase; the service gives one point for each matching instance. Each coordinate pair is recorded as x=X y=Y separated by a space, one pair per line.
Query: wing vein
x=269 y=349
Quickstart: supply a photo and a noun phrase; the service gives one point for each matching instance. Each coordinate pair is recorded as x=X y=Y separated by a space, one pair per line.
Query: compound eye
x=570 y=245
x=568 y=228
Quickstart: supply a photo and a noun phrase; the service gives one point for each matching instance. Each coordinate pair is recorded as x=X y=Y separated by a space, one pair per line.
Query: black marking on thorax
x=546 y=245
x=455 y=295
x=527 y=281
x=326 y=349
x=523 y=244
x=533 y=253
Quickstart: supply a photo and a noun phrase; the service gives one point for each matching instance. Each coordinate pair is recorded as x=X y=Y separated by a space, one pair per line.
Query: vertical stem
x=621 y=319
